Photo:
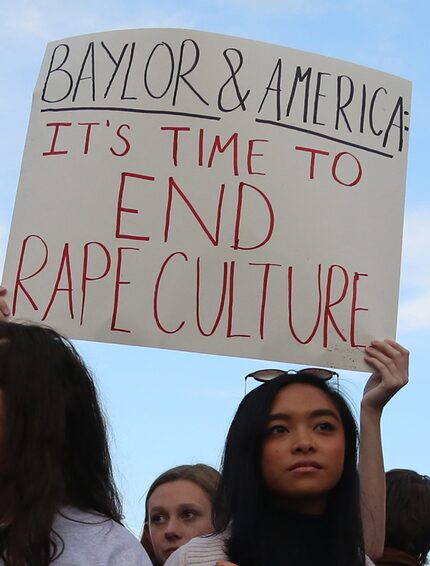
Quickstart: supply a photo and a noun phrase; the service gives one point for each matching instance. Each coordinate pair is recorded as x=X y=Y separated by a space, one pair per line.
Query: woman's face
x=304 y=448
x=177 y=512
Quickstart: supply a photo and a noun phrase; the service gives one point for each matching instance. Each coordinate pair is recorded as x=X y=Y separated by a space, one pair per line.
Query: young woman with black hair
x=58 y=500
x=289 y=493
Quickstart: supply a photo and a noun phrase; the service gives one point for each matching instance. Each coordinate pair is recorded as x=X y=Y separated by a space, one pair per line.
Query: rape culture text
x=193 y=191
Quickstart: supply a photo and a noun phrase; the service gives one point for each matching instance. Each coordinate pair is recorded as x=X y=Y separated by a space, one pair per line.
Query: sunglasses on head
x=265 y=375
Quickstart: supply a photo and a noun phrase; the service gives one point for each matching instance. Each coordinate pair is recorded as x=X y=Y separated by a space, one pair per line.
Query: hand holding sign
x=391 y=362
x=4 y=308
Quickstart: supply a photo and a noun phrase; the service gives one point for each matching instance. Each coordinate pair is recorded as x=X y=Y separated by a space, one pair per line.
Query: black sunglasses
x=265 y=375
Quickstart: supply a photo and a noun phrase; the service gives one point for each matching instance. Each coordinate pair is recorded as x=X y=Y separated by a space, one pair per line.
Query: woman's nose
x=172 y=531
x=303 y=443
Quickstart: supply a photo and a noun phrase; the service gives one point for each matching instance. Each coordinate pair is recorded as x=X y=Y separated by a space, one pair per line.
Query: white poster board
x=200 y=192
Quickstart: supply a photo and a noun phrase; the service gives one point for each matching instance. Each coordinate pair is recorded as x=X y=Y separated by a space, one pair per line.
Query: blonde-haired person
x=178 y=507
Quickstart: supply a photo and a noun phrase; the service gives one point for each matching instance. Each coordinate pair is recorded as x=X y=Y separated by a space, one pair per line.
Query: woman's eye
x=189 y=515
x=325 y=427
x=277 y=429
x=158 y=519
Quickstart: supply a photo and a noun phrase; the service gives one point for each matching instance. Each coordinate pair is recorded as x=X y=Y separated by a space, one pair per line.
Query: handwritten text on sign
x=193 y=191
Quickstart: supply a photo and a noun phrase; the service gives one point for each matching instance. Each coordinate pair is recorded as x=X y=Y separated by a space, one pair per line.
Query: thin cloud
x=26 y=23
x=40 y=21
x=414 y=312
x=295 y=7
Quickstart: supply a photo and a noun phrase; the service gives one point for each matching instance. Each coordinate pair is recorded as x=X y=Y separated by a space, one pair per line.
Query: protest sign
x=194 y=191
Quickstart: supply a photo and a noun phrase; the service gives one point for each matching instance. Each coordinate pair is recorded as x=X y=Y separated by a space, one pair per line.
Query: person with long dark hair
x=289 y=492
x=58 y=500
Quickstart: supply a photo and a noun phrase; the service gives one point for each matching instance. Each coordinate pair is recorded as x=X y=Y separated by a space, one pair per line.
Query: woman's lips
x=305 y=466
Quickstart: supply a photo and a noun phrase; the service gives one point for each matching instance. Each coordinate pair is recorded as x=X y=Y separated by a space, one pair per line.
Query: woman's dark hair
x=242 y=502
x=408 y=513
x=54 y=449
x=206 y=477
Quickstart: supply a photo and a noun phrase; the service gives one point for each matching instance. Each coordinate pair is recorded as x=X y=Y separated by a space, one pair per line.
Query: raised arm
x=390 y=363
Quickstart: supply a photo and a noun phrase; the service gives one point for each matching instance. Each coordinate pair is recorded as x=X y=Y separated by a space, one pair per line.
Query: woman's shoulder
x=205 y=551
x=89 y=538
x=201 y=551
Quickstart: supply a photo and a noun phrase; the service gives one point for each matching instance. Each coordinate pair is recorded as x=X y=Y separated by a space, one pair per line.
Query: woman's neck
x=303 y=506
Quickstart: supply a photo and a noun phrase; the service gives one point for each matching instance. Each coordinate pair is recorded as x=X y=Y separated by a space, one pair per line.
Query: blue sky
x=167 y=408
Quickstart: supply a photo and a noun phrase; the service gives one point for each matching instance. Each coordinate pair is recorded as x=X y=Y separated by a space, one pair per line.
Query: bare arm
x=390 y=363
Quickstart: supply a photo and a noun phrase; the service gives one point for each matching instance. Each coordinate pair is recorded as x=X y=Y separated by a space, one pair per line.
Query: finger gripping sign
x=200 y=192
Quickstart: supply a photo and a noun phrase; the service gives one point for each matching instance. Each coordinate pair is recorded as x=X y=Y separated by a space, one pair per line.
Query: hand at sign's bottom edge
x=390 y=362
x=224 y=563
x=4 y=308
